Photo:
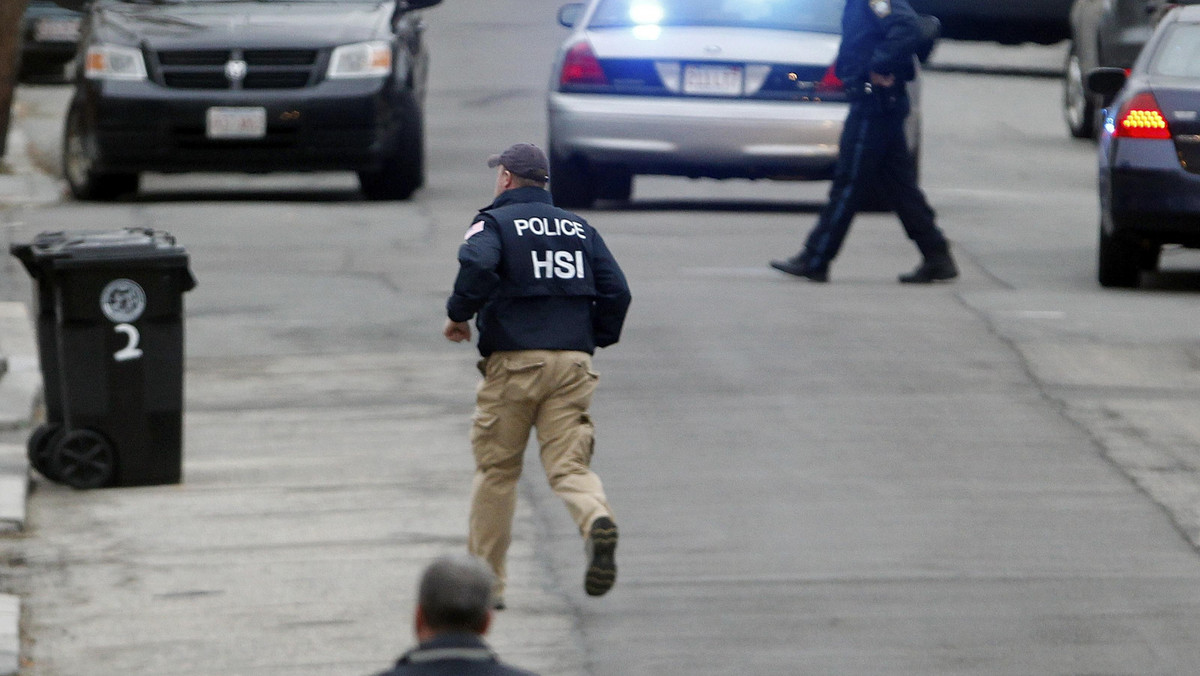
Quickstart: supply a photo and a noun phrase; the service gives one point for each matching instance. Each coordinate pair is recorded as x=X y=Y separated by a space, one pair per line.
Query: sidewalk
x=21 y=185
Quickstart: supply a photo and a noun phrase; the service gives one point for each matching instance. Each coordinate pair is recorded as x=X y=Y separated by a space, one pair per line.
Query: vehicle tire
x=571 y=185
x=1079 y=107
x=79 y=159
x=1118 y=264
x=83 y=459
x=41 y=442
x=403 y=171
x=614 y=184
x=1148 y=258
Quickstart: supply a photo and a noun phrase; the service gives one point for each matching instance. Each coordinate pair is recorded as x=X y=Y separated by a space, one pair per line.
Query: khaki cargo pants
x=550 y=390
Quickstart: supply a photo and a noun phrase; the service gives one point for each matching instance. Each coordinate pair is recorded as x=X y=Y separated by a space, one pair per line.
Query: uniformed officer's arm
x=902 y=35
x=478 y=259
x=612 y=295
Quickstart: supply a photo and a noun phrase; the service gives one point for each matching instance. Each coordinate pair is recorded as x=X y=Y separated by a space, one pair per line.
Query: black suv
x=1104 y=33
x=247 y=86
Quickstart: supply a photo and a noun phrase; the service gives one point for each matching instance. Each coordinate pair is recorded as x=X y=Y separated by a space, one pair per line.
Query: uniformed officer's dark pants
x=873 y=158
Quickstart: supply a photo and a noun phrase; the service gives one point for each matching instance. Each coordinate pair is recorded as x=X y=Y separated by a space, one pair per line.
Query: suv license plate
x=712 y=80
x=56 y=30
x=236 y=123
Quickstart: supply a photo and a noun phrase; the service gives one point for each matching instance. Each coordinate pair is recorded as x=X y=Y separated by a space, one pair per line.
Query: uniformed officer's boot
x=938 y=267
x=801 y=265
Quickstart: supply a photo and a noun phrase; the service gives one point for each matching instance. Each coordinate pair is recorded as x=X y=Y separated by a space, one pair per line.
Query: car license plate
x=712 y=80
x=56 y=30
x=236 y=123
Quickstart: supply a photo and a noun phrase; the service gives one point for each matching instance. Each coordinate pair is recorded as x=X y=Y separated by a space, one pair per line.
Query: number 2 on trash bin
x=130 y=351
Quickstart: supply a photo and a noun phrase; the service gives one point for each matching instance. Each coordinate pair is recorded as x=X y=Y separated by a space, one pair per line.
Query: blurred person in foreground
x=453 y=613
x=545 y=292
x=882 y=41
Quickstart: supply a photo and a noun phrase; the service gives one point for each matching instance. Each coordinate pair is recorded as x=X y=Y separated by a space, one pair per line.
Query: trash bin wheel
x=83 y=459
x=40 y=444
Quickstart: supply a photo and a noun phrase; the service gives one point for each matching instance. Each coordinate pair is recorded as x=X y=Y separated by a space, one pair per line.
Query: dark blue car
x=1149 y=152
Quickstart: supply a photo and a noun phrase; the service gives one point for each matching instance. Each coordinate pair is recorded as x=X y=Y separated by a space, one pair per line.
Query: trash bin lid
x=63 y=249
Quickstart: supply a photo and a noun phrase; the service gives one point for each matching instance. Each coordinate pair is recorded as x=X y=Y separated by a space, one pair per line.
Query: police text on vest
x=543 y=226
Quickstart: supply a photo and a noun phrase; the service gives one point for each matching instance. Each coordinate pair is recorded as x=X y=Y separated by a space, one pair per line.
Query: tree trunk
x=10 y=52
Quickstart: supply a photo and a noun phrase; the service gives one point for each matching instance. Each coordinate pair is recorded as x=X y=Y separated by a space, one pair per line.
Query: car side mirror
x=568 y=15
x=1106 y=82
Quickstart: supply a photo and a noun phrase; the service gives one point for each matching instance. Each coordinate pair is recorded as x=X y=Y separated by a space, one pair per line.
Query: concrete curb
x=20 y=388
x=22 y=185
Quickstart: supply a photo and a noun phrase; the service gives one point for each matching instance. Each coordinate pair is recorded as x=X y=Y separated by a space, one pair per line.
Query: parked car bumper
x=1149 y=195
x=336 y=125
x=49 y=35
x=700 y=138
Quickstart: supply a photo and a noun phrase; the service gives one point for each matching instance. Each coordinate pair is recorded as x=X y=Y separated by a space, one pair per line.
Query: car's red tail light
x=581 y=67
x=830 y=83
x=1141 y=117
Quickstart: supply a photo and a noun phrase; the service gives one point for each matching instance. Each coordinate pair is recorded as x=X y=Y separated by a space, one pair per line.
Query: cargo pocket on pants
x=483 y=439
x=587 y=439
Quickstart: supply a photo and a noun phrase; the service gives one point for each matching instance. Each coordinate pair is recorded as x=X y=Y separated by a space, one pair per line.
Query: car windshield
x=1178 y=55
x=822 y=16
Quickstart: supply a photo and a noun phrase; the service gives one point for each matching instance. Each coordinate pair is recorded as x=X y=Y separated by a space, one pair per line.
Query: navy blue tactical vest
x=547 y=251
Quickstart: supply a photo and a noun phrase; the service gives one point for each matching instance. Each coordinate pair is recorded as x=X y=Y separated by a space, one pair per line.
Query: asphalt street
x=993 y=477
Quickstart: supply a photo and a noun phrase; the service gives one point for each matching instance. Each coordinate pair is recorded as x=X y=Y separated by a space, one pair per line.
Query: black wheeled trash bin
x=109 y=311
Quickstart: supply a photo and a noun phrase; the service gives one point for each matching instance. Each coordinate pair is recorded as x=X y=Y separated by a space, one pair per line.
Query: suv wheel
x=1118 y=264
x=571 y=185
x=614 y=184
x=1079 y=108
x=403 y=170
x=79 y=159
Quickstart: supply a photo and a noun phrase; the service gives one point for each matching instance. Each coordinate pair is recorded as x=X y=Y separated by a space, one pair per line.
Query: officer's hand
x=457 y=331
x=884 y=81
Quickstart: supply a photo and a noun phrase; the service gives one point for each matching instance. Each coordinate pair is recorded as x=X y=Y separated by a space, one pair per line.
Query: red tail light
x=830 y=83
x=580 y=67
x=1141 y=117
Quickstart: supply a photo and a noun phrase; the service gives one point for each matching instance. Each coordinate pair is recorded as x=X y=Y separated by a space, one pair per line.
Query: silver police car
x=697 y=88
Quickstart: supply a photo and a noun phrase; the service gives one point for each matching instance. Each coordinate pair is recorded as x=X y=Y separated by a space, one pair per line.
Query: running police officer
x=880 y=39
x=546 y=293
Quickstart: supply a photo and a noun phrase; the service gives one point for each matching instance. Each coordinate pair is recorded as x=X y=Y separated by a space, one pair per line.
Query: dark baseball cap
x=525 y=160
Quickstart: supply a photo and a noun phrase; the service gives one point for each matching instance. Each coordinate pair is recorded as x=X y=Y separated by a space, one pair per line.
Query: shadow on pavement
x=255 y=195
x=711 y=206
x=1172 y=280
x=1001 y=70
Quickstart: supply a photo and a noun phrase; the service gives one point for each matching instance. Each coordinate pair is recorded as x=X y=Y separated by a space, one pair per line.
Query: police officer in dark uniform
x=546 y=292
x=880 y=39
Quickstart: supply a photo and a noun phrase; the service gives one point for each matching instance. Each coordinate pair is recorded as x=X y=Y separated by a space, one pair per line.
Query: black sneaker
x=800 y=266
x=936 y=268
x=601 y=547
